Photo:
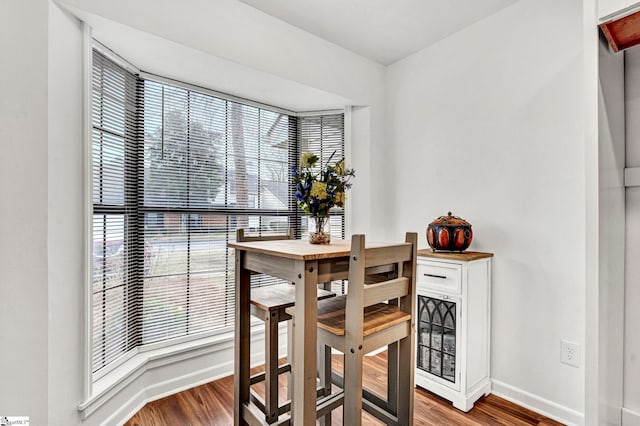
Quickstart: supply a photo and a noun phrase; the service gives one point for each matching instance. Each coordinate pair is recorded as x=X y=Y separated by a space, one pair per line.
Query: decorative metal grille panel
x=437 y=337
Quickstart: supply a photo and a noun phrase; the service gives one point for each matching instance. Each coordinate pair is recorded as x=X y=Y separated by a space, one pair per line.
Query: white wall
x=23 y=209
x=488 y=124
x=65 y=217
x=632 y=267
x=608 y=318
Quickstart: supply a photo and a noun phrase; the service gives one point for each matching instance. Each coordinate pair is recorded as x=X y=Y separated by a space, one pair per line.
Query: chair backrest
x=396 y=264
x=242 y=237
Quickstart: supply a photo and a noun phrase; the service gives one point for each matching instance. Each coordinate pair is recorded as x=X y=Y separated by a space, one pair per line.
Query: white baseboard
x=540 y=405
x=630 y=418
x=166 y=388
x=156 y=383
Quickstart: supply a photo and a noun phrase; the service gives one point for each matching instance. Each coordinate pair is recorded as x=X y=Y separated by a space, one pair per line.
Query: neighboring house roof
x=273 y=194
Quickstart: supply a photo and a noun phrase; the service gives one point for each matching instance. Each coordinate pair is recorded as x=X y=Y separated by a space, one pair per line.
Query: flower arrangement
x=318 y=188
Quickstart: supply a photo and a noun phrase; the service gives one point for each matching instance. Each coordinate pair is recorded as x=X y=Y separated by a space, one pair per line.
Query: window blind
x=210 y=166
x=175 y=173
x=324 y=136
x=116 y=232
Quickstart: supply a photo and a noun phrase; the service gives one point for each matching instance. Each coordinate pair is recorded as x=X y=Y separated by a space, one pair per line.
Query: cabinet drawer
x=439 y=276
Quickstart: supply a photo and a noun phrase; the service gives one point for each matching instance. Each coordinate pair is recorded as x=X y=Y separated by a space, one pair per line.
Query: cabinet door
x=438 y=338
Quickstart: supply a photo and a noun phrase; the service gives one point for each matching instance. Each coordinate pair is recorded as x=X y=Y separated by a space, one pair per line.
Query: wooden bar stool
x=378 y=310
x=269 y=304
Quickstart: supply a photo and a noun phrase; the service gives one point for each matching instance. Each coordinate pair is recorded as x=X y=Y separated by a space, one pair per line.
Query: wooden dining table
x=305 y=265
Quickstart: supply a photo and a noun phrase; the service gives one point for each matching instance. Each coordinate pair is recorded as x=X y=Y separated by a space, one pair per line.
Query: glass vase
x=319 y=232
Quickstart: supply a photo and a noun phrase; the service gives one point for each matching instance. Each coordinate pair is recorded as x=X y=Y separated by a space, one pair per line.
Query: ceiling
x=384 y=31
x=152 y=54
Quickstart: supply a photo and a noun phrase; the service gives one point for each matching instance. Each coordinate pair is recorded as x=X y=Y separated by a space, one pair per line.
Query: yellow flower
x=308 y=159
x=340 y=168
x=319 y=190
x=339 y=199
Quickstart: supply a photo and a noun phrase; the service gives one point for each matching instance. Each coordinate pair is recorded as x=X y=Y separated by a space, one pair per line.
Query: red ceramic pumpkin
x=449 y=233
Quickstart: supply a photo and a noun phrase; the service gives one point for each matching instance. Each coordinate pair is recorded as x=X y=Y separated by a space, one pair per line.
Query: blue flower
x=317 y=190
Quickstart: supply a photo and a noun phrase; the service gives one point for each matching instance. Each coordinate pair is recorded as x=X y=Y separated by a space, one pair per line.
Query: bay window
x=175 y=171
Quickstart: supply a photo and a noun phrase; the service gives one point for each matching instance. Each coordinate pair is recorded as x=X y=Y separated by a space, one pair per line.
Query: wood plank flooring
x=212 y=404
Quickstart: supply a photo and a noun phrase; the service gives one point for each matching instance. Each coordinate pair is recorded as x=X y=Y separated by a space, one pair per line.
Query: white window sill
x=117 y=380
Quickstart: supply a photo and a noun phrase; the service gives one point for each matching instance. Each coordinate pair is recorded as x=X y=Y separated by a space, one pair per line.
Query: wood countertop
x=297 y=249
x=464 y=256
x=302 y=249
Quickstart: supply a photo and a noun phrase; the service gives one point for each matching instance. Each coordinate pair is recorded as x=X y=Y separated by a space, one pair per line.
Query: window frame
x=294 y=212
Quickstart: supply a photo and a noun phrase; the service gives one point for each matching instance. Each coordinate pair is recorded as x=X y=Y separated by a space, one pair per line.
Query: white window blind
x=210 y=167
x=115 y=218
x=175 y=173
x=324 y=135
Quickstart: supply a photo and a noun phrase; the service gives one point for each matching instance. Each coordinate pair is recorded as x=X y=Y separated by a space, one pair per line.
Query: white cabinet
x=453 y=325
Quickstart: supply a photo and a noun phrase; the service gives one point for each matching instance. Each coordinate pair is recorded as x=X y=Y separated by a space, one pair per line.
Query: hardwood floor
x=211 y=404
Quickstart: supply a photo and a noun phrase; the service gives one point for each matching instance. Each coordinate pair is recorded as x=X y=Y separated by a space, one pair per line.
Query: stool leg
x=271 y=368
x=392 y=378
x=393 y=369
x=291 y=325
x=324 y=373
x=324 y=367
x=405 y=382
x=290 y=358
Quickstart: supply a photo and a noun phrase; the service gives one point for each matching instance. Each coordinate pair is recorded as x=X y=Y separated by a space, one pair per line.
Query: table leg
x=305 y=336
x=242 y=337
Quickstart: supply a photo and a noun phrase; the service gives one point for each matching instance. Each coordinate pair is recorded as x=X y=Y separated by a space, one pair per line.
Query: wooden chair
x=378 y=310
x=269 y=303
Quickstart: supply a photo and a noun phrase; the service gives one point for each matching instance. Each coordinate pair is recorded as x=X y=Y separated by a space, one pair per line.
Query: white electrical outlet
x=570 y=353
